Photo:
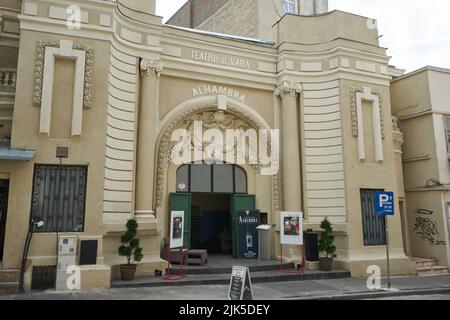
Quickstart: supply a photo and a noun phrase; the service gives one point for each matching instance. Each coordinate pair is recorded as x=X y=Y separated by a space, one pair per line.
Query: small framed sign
x=291 y=228
x=240 y=284
x=176 y=229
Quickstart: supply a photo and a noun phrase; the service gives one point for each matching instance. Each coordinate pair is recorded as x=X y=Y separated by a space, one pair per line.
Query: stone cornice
x=150 y=67
x=288 y=89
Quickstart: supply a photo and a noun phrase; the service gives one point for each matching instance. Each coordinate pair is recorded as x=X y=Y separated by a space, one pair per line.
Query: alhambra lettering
x=224 y=60
x=218 y=90
x=248 y=220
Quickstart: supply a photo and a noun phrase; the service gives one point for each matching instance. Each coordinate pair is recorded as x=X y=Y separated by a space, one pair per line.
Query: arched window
x=216 y=178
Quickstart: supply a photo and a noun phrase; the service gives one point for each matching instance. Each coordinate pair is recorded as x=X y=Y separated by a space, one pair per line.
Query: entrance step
x=9 y=275
x=224 y=279
x=7 y=288
x=429 y=267
x=193 y=270
x=432 y=271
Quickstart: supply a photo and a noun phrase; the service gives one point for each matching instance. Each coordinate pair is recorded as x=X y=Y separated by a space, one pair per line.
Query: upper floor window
x=289 y=6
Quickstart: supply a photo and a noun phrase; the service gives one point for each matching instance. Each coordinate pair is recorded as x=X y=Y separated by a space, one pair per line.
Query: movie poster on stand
x=176 y=229
x=291 y=228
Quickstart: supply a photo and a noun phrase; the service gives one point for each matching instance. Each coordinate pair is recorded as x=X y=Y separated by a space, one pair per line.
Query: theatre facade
x=94 y=115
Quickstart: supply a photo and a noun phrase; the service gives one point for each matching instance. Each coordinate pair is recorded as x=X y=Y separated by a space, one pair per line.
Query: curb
x=380 y=294
x=225 y=281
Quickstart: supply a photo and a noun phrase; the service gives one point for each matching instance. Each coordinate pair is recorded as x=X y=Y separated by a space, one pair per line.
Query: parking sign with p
x=384 y=203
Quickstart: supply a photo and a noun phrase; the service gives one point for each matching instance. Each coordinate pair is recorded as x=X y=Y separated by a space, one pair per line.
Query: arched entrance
x=213 y=190
x=175 y=193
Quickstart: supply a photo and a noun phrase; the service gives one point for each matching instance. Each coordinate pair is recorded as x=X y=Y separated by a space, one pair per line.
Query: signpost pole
x=384 y=206
x=387 y=252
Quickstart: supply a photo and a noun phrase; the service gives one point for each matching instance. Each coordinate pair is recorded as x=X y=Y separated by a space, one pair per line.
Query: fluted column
x=146 y=140
x=292 y=188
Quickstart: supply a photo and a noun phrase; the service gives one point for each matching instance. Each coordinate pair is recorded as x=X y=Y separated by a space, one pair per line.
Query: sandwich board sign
x=240 y=284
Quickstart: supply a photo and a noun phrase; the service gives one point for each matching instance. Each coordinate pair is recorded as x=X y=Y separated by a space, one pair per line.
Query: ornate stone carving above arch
x=234 y=117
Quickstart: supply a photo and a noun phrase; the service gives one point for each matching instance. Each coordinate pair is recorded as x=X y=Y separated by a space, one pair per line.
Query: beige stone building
x=89 y=112
x=421 y=101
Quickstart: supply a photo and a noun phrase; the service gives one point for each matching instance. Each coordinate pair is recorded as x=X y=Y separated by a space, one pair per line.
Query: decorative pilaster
x=288 y=89
x=292 y=188
x=147 y=120
x=150 y=67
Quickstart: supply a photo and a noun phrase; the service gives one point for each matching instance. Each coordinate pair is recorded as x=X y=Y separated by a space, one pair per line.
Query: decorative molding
x=395 y=122
x=233 y=117
x=357 y=97
x=288 y=89
x=39 y=71
x=8 y=79
x=354 y=113
x=151 y=67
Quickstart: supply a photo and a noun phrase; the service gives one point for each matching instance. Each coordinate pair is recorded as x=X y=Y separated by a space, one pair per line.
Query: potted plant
x=131 y=250
x=326 y=246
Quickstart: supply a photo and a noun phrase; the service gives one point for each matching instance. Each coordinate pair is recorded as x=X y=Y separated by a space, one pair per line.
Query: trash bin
x=312 y=246
x=264 y=241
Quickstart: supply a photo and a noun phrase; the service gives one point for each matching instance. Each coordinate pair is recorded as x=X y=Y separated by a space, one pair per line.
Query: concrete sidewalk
x=300 y=290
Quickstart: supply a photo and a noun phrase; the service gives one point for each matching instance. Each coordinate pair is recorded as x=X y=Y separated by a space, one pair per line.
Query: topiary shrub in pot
x=326 y=246
x=131 y=250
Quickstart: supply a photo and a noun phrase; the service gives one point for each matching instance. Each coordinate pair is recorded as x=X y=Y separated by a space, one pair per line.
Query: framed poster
x=176 y=229
x=291 y=228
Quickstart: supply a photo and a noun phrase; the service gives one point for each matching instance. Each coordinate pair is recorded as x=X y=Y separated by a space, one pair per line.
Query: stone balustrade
x=8 y=78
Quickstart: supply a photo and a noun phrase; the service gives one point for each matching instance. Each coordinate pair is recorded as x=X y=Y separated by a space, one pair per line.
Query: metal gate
x=374 y=228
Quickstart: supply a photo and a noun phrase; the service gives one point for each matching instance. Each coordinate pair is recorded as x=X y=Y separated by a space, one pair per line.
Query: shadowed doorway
x=211 y=190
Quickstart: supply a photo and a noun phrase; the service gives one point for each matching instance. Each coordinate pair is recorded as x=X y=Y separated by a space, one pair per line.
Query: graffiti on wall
x=427 y=229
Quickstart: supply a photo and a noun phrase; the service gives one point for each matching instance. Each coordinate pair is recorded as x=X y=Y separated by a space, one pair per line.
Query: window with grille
x=374 y=228
x=289 y=6
x=59 y=197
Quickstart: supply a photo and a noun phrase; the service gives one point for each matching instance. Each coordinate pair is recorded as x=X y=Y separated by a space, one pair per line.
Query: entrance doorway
x=4 y=191
x=211 y=223
x=211 y=197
